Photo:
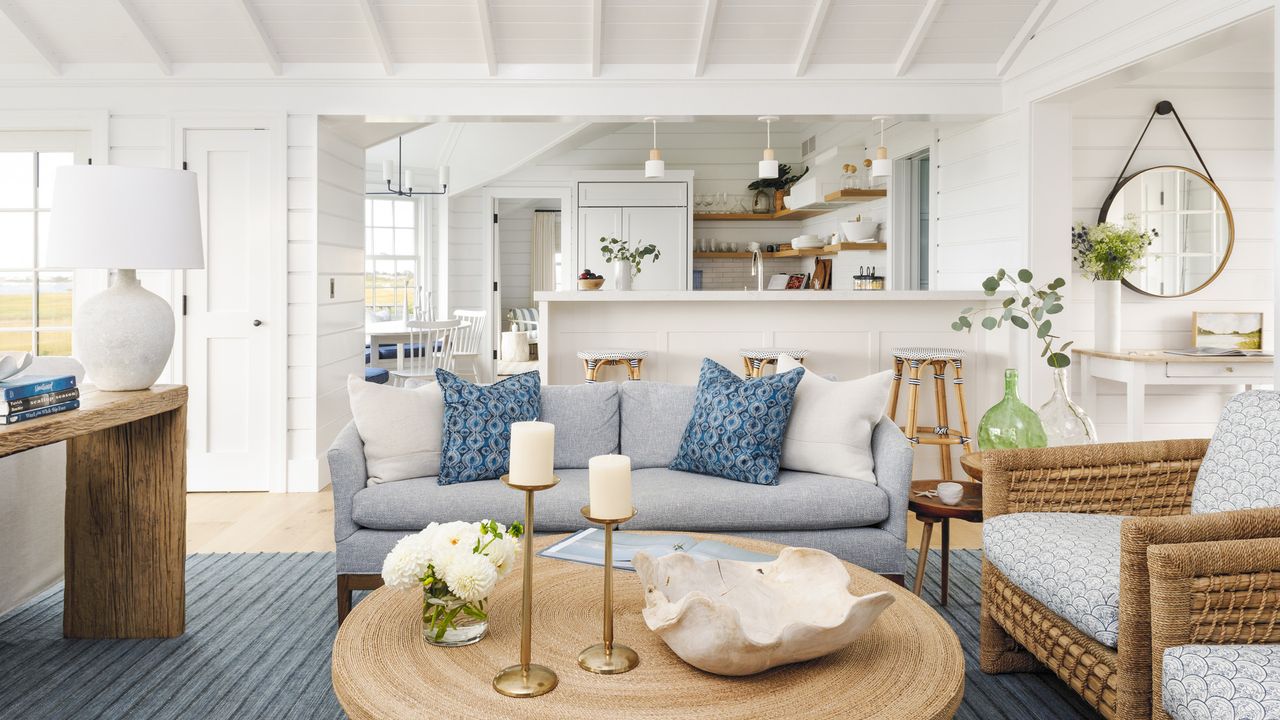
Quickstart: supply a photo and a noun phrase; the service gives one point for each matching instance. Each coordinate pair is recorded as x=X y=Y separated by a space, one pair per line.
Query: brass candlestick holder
x=607 y=658
x=527 y=679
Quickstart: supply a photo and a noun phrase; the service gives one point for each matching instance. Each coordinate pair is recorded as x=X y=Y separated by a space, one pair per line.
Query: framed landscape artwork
x=1236 y=331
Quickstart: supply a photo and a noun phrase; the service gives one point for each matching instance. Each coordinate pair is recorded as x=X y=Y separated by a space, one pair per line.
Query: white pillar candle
x=386 y=170
x=533 y=448
x=408 y=178
x=610 y=486
x=444 y=176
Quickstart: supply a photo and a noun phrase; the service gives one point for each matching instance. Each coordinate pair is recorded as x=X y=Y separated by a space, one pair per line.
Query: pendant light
x=768 y=166
x=881 y=166
x=654 y=167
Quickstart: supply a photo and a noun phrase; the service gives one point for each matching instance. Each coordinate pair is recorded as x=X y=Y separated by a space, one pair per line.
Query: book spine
x=41 y=412
x=39 y=388
x=38 y=401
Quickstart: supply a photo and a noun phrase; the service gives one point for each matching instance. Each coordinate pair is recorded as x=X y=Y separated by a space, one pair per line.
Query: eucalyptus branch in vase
x=1027 y=309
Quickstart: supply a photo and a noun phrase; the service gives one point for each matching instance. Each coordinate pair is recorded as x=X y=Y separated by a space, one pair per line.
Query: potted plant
x=626 y=259
x=772 y=201
x=1010 y=423
x=1106 y=253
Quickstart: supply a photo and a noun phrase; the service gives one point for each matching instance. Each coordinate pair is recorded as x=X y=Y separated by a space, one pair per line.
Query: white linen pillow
x=831 y=423
x=402 y=428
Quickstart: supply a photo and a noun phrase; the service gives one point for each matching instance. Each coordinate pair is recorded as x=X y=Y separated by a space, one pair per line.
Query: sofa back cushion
x=477 y=424
x=1241 y=469
x=653 y=418
x=586 y=418
x=401 y=428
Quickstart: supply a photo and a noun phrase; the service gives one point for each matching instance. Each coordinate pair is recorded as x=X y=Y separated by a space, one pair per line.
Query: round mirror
x=1192 y=224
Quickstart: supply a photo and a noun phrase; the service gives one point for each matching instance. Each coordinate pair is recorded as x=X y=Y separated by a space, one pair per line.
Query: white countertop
x=766 y=296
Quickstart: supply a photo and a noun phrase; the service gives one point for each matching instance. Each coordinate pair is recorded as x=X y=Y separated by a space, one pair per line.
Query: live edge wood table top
x=125 y=509
x=908 y=664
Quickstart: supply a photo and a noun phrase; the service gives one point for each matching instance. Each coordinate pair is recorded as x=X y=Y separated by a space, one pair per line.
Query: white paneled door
x=226 y=347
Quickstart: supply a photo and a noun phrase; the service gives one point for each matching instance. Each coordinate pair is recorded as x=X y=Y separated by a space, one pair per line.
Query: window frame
x=372 y=260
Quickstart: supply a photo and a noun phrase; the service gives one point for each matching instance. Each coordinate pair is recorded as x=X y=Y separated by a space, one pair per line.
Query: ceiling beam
x=379 y=38
x=916 y=38
x=597 y=27
x=23 y=25
x=1024 y=35
x=811 y=36
x=486 y=37
x=162 y=57
x=264 y=40
x=704 y=37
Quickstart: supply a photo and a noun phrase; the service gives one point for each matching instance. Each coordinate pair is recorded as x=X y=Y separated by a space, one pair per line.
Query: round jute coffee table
x=909 y=665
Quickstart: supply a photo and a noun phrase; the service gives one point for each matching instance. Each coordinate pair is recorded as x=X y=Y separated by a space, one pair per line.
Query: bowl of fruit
x=588 y=280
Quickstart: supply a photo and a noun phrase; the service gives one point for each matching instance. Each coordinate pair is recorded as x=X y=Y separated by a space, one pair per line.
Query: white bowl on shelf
x=859 y=231
x=807 y=241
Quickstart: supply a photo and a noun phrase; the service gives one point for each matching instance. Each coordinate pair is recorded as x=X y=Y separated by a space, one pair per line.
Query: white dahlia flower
x=471 y=577
x=407 y=562
x=503 y=553
x=455 y=535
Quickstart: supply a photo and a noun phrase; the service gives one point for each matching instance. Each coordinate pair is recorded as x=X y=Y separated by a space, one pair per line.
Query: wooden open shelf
x=793 y=252
x=832 y=201
x=855 y=196
x=863 y=246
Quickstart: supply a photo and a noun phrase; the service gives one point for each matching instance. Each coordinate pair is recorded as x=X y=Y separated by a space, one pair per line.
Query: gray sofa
x=855 y=520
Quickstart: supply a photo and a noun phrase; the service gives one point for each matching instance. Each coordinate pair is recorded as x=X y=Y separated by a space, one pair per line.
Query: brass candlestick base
x=608 y=658
x=527 y=679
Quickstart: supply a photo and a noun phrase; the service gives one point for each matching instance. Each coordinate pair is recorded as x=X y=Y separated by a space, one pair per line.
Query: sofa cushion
x=1222 y=682
x=654 y=416
x=1241 y=469
x=831 y=423
x=1070 y=562
x=586 y=420
x=737 y=425
x=477 y=424
x=666 y=499
x=401 y=428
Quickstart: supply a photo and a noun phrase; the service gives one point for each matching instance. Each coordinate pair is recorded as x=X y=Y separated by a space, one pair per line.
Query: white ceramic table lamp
x=124 y=219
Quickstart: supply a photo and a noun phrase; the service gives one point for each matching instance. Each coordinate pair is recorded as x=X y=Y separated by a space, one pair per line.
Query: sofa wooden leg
x=896 y=578
x=348 y=583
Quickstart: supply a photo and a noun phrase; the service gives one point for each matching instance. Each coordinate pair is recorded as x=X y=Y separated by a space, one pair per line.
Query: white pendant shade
x=768 y=168
x=654 y=167
x=882 y=166
x=110 y=216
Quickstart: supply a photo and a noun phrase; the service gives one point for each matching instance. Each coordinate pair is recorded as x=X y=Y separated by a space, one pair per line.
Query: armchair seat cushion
x=1222 y=682
x=1070 y=562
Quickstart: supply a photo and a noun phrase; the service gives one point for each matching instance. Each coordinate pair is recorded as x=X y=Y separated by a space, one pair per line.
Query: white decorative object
x=859 y=230
x=807 y=241
x=1106 y=315
x=533 y=447
x=738 y=618
x=654 y=167
x=125 y=218
x=768 y=166
x=831 y=423
x=621 y=275
x=609 y=487
x=950 y=493
x=401 y=428
x=12 y=363
x=881 y=166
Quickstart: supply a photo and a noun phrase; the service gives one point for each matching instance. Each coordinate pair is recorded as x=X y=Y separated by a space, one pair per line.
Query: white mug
x=950 y=493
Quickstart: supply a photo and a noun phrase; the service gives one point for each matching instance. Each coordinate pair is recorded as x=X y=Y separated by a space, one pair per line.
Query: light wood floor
x=303 y=522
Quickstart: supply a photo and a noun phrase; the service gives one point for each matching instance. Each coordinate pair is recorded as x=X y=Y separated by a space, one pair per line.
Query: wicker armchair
x=1183 y=577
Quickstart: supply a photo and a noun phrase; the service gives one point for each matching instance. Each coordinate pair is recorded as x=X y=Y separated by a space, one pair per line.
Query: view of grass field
x=55 y=311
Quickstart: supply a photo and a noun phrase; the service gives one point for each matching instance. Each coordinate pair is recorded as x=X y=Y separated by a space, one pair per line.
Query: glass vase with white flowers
x=456 y=565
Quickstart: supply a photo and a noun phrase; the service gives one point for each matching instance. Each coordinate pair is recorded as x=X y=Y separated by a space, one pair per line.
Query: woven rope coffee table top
x=908 y=665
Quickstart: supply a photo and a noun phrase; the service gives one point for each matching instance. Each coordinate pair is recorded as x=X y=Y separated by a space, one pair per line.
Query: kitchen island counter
x=632 y=296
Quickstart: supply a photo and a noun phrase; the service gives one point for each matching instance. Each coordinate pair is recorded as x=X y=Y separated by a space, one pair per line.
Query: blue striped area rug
x=259 y=632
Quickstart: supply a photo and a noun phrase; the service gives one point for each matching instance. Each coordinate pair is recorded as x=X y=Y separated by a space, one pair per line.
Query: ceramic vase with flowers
x=1106 y=253
x=627 y=261
x=1010 y=423
x=455 y=566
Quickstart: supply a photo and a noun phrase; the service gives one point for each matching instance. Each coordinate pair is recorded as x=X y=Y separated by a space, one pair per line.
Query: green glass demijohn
x=1010 y=423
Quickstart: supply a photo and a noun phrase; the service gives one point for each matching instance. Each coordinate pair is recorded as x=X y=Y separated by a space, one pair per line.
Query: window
x=391 y=287
x=35 y=301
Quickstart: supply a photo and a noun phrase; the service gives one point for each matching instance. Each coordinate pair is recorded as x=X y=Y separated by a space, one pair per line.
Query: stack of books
x=28 y=397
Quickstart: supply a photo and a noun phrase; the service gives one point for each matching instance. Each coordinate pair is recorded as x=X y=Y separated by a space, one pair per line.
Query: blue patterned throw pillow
x=477 y=424
x=737 y=426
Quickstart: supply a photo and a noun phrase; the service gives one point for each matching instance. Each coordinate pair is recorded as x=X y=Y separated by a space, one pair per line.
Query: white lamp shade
x=768 y=169
x=881 y=168
x=654 y=168
x=110 y=216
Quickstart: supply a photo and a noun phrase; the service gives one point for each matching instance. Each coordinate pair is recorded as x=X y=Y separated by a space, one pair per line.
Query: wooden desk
x=126 y=509
x=1138 y=369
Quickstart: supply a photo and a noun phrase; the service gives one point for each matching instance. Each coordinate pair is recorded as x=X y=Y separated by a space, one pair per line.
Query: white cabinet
x=665 y=227
x=633 y=194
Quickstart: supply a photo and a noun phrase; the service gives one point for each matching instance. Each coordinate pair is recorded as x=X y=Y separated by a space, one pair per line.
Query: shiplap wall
x=1225 y=100
x=515 y=244
x=301 y=223
x=339 y=283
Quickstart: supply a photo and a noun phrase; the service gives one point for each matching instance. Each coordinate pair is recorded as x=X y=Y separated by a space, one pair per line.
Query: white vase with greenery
x=1106 y=253
x=627 y=261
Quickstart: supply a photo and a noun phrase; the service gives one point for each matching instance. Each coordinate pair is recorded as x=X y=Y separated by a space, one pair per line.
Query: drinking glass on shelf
x=741 y=207
x=724 y=202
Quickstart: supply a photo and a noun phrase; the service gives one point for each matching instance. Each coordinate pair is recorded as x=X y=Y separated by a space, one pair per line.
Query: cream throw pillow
x=401 y=428
x=831 y=423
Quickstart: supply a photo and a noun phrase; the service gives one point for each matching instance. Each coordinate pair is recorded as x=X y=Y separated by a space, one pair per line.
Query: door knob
x=257 y=323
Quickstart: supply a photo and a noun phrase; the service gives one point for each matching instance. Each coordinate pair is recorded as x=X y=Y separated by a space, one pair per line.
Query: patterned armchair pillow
x=1241 y=469
x=477 y=424
x=737 y=425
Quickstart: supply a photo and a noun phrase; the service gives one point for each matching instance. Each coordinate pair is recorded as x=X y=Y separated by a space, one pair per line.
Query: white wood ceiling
x=521 y=38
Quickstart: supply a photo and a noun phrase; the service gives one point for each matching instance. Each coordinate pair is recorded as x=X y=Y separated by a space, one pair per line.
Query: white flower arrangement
x=456 y=565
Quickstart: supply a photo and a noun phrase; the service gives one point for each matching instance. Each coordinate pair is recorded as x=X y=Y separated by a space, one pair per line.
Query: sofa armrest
x=1139 y=478
x=1211 y=593
x=893 y=456
x=348 y=475
x=1138 y=537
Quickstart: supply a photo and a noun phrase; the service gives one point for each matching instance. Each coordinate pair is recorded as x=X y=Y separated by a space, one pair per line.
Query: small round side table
x=972 y=464
x=930 y=510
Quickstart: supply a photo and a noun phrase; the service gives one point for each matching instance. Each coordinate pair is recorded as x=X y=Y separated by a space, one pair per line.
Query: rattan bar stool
x=754 y=360
x=593 y=360
x=942 y=435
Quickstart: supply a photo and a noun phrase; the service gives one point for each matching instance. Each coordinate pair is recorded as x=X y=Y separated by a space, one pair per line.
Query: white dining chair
x=428 y=346
x=466 y=344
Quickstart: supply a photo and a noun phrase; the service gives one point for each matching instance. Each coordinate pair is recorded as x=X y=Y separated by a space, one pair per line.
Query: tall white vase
x=1106 y=315
x=621 y=275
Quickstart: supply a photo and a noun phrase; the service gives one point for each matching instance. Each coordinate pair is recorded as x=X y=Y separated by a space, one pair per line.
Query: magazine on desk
x=587 y=546
x=1217 y=352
